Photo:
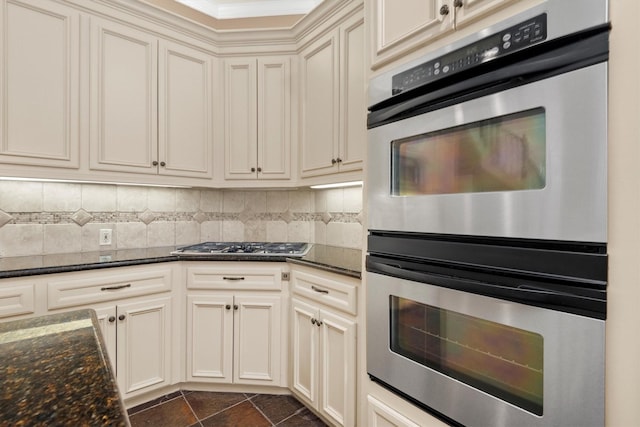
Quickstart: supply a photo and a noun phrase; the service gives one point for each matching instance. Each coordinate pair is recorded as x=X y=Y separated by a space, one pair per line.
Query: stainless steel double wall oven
x=487 y=218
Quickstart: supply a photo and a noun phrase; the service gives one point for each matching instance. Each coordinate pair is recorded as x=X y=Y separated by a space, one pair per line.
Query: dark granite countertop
x=55 y=371
x=331 y=258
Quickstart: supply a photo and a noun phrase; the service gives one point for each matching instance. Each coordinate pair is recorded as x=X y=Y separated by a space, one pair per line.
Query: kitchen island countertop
x=55 y=371
x=331 y=258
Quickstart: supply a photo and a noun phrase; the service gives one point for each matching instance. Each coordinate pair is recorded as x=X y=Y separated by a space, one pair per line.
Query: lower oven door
x=479 y=361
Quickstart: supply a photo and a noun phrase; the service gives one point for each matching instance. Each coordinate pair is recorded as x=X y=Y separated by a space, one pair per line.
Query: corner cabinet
x=333 y=104
x=403 y=26
x=39 y=84
x=257 y=101
x=235 y=323
x=323 y=343
x=151 y=104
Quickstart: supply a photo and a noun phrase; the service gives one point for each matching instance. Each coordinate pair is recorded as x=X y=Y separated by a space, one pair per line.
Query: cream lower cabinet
x=138 y=339
x=323 y=344
x=135 y=310
x=235 y=324
x=382 y=415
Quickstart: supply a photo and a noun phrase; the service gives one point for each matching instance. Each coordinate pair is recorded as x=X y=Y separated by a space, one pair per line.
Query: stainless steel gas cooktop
x=289 y=249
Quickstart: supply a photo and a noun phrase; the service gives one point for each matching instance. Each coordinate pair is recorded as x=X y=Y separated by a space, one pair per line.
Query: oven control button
x=436 y=65
x=437 y=71
x=445 y=69
x=506 y=37
x=506 y=45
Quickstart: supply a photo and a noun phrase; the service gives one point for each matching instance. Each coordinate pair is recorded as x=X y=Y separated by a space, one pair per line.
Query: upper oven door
x=527 y=162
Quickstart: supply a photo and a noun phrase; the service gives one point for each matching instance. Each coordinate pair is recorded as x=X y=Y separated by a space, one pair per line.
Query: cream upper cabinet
x=402 y=26
x=399 y=26
x=39 y=83
x=150 y=104
x=257 y=118
x=333 y=114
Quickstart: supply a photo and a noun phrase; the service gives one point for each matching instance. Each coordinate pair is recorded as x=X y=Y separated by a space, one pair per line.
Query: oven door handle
x=540 y=296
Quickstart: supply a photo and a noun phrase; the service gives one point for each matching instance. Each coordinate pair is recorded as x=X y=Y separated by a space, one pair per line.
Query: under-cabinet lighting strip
x=338 y=185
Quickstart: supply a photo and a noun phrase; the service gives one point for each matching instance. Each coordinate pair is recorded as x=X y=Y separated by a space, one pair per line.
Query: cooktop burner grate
x=296 y=249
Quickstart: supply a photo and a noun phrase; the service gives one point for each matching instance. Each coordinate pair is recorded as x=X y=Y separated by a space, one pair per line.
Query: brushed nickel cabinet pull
x=320 y=290
x=115 y=288
x=233 y=278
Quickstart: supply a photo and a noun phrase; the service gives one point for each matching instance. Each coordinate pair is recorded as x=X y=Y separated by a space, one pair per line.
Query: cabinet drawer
x=17 y=299
x=235 y=277
x=328 y=289
x=87 y=288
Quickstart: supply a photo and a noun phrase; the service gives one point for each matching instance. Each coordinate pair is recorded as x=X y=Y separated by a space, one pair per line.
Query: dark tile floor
x=207 y=409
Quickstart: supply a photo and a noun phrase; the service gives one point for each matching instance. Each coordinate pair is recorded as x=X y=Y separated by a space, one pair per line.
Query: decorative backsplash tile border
x=45 y=218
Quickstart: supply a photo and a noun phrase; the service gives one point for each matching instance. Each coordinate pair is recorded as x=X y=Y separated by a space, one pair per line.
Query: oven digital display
x=498 y=359
x=506 y=153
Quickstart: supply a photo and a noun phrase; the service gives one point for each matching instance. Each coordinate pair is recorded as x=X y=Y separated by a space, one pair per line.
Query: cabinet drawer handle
x=115 y=288
x=320 y=290
x=233 y=278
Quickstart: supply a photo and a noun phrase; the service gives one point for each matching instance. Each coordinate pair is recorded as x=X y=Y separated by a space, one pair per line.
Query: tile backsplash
x=46 y=218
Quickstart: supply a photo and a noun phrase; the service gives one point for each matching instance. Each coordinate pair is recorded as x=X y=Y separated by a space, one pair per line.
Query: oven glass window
x=495 y=358
x=505 y=153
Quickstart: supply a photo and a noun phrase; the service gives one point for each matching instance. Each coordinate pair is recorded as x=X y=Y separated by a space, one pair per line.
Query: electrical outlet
x=105 y=236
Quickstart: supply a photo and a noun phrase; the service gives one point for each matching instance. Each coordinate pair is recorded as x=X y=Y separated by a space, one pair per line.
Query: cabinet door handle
x=259 y=169
x=444 y=10
x=319 y=290
x=112 y=319
x=163 y=164
x=233 y=278
x=235 y=306
x=228 y=307
x=154 y=163
x=318 y=323
x=458 y=3
x=313 y=321
x=253 y=169
x=334 y=161
x=122 y=317
x=339 y=160
x=115 y=288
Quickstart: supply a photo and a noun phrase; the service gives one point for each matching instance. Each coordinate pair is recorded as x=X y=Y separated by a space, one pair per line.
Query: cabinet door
x=257 y=339
x=320 y=86
x=209 y=338
x=144 y=345
x=107 y=321
x=381 y=415
x=39 y=83
x=475 y=9
x=338 y=368
x=304 y=345
x=185 y=141
x=401 y=26
x=274 y=118
x=241 y=123
x=124 y=114
x=353 y=123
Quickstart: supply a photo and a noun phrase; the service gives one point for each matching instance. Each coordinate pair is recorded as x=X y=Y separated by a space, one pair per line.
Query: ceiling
x=237 y=9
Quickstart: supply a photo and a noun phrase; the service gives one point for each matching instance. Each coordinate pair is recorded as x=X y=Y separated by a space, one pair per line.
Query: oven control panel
x=512 y=39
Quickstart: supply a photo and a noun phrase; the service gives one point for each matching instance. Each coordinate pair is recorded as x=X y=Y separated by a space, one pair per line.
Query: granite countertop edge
x=324 y=257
